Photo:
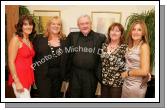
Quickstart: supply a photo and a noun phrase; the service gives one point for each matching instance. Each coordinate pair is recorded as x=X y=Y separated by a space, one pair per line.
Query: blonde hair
x=144 y=32
x=61 y=34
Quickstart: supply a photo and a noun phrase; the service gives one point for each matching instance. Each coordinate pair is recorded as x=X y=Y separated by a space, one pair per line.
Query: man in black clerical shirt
x=84 y=60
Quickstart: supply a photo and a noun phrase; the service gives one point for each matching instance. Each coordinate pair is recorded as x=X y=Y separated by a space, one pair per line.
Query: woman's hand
x=145 y=80
x=124 y=74
x=64 y=87
x=19 y=87
x=98 y=90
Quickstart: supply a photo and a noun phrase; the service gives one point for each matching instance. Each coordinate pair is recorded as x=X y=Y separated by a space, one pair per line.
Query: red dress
x=23 y=65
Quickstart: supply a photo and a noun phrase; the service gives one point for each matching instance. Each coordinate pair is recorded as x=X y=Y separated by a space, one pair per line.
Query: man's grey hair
x=83 y=16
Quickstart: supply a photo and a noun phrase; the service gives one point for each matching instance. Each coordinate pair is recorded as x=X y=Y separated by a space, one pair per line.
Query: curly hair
x=20 y=24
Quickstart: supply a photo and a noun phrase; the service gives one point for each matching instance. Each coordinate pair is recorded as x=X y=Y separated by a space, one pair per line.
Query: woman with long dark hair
x=21 y=53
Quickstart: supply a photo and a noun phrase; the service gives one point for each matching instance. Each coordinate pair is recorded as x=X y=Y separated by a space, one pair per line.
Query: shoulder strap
x=19 y=38
x=141 y=42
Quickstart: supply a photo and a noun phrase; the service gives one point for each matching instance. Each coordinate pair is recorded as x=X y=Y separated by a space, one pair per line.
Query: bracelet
x=128 y=73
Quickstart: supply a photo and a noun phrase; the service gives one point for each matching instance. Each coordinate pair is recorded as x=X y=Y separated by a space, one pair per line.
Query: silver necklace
x=134 y=47
x=52 y=50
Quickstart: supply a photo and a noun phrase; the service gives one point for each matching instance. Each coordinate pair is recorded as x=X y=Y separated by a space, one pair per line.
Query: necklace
x=52 y=50
x=134 y=47
x=112 y=48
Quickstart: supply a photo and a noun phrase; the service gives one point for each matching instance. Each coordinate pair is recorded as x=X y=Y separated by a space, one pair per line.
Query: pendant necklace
x=52 y=50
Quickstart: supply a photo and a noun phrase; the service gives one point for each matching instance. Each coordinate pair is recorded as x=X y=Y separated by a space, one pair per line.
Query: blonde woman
x=137 y=62
x=49 y=62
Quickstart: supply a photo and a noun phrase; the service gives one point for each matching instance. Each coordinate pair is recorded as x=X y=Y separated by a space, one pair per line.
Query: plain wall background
x=70 y=13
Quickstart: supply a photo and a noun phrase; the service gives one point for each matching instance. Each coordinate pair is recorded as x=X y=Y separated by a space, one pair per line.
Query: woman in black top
x=113 y=62
x=50 y=59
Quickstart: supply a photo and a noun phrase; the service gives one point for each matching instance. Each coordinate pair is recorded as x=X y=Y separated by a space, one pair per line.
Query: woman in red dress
x=21 y=53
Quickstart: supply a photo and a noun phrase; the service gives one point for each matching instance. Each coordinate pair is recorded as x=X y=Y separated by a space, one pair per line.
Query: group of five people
x=119 y=69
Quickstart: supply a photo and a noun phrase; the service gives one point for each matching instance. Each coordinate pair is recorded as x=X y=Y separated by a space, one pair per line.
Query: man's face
x=84 y=25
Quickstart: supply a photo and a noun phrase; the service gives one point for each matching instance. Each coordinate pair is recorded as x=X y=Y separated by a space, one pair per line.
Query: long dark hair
x=20 y=23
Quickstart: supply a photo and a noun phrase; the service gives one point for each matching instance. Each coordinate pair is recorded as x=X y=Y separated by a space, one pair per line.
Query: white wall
x=69 y=13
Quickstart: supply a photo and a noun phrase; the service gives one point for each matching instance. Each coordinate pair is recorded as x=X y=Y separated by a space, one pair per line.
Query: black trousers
x=48 y=87
x=82 y=84
x=56 y=87
x=111 y=92
x=43 y=86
